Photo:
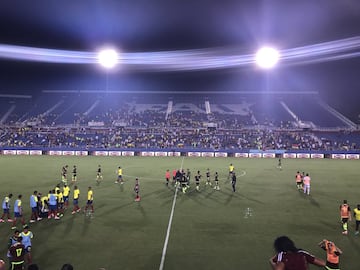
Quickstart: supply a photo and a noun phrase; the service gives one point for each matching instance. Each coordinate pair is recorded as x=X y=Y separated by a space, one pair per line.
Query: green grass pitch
x=210 y=229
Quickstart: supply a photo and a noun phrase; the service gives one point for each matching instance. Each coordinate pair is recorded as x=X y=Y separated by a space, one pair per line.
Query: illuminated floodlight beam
x=108 y=58
x=181 y=60
x=267 y=57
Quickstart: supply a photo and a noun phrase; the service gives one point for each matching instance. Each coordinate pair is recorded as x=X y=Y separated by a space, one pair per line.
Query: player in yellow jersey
x=60 y=203
x=119 y=176
x=90 y=199
x=76 y=200
x=66 y=193
x=231 y=171
x=357 y=219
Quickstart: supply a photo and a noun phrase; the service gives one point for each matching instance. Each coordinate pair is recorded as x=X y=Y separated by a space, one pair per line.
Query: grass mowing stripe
x=161 y=267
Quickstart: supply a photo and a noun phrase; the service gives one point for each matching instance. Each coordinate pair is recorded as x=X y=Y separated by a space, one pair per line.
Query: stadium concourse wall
x=249 y=153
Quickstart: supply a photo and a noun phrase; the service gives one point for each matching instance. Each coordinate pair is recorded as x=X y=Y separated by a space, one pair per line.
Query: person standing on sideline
x=18 y=212
x=357 y=219
x=332 y=254
x=233 y=181
x=289 y=257
x=306 y=182
x=345 y=215
x=6 y=208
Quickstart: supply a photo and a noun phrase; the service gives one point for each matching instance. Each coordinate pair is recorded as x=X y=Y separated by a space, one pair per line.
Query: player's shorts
x=17 y=265
x=167 y=179
x=344 y=220
x=28 y=249
x=119 y=177
x=52 y=207
x=6 y=211
x=197 y=183
x=17 y=214
x=66 y=198
x=89 y=202
x=34 y=209
x=76 y=201
x=60 y=205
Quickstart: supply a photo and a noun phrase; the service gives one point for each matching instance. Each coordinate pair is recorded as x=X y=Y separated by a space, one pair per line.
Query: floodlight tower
x=108 y=59
x=267 y=58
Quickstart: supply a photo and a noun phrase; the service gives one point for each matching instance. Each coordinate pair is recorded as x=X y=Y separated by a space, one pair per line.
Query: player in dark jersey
x=197 y=180
x=64 y=174
x=17 y=254
x=217 y=187
x=188 y=177
x=233 y=181
x=279 y=164
x=74 y=174
x=208 y=182
x=290 y=257
x=137 y=190
x=99 y=176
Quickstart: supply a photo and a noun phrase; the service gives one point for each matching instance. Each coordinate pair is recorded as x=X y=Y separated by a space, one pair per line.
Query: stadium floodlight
x=267 y=57
x=108 y=58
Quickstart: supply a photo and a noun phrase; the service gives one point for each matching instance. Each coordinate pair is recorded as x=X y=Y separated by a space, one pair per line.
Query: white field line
x=161 y=267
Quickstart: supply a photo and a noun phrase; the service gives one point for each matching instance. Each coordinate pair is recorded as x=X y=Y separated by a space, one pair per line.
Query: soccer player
x=299 y=180
x=137 y=190
x=188 y=177
x=6 y=208
x=99 y=176
x=167 y=177
x=306 y=182
x=12 y=240
x=90 y=199
x=76 y=194
x=332 y=254
x=345 y=215
x=27 y=235
x=290 y=257
x=279 y=164
x=34 y=204
x=233 y=181
x=18 y=212
x=217 y=187
x=74 y=174
x=64 y=174
x=120 y=176
x=208 y=182
x=231 y=171
x=174 y=176
x=17 y=253
x=66 y=193
x=357 y=219
x=52 y=205
x=197 y=180
x=60 y=203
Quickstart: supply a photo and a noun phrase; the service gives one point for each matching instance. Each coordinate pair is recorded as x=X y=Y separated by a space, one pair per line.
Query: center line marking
x=161 y=267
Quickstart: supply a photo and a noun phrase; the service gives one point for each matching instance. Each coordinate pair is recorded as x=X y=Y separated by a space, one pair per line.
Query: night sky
x=148 y=26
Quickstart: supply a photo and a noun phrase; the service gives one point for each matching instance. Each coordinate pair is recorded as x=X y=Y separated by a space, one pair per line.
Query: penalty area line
x=161 y=267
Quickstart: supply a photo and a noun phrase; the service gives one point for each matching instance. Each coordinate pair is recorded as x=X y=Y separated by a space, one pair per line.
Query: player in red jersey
x=289 y=257
x=167 y=177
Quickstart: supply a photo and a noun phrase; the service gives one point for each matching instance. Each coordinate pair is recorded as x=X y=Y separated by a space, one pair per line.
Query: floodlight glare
x=108 y=58
x=267 y=57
